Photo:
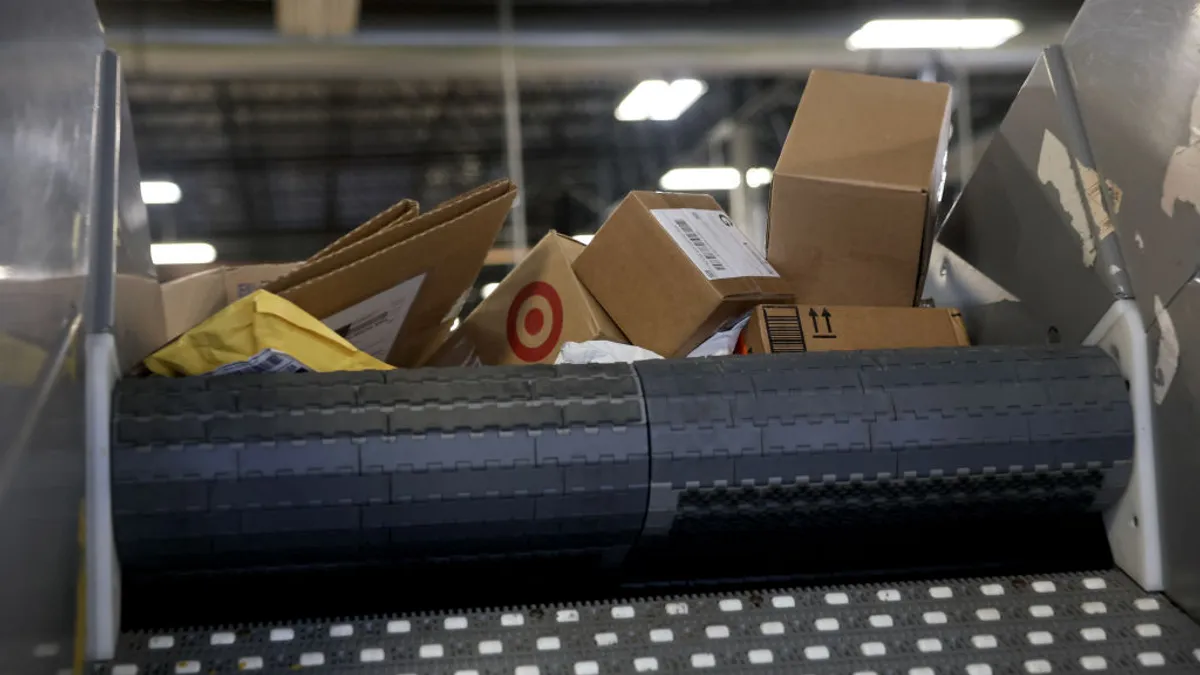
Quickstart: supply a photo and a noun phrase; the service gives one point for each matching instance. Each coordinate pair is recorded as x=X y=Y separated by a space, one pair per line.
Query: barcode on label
x=716 y=248
x=785 y=329
x=700 y=245
x=266 y=361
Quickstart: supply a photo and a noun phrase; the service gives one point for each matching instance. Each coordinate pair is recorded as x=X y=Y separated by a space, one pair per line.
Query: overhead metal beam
x=697 y=48
x=317 y=19
x=335 y=61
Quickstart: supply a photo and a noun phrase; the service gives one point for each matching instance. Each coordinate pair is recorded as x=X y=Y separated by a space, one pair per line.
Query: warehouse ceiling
x=279 y=143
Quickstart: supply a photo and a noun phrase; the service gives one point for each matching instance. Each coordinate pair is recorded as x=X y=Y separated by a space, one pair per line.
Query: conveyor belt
x=613 y=467
x=1028 y=625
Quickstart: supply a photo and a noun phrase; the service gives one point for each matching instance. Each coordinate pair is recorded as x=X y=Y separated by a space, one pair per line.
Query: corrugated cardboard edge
x=187 y=301
x=599 y=321
x=959 y=327
x=388 y=237
x=481 y=200
x=382 y=251
x=856 y=183
x=402 y=211
x=258 y=271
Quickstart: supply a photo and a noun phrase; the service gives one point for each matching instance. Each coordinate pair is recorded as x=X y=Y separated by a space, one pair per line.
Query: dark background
x=280 y=143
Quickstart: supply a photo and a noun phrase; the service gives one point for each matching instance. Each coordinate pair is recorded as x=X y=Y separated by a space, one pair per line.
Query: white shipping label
x=712 y=242
x=373 y=324
x=266 y=361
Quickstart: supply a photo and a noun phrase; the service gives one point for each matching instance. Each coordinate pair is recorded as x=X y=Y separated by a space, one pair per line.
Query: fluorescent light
x=182 y=253
x=160 y=192
x=456 y=324
x=701 y=178
x=488 y=289
x=584 y=239
x=934 y=34
x=758 y=177
x=660 y=100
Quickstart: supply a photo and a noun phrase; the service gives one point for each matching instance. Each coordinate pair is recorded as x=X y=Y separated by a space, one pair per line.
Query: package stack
x=667 y=276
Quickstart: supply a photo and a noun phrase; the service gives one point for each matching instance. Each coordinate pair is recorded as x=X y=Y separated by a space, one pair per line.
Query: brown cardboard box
x=394 y=291
x=856 y=187
x=671 y=269
x=819 y=328
x=189 y=300
x=539 y=306
x=402 y=211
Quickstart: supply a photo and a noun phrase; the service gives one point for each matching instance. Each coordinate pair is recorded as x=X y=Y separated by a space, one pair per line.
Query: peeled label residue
x=1182 y=180
x=1057 y=168
x=1167 y=362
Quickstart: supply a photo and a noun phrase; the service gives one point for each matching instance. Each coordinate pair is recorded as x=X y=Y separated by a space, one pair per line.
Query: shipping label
x=373 y=324
x=266 y=361
x=714 y=245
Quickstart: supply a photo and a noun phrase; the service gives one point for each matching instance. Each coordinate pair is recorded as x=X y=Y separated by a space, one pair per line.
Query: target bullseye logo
x=535 y=321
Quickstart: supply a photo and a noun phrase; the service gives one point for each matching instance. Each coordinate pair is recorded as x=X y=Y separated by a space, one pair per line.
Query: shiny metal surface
x=1121 y=109
x=1136 y=68
x=48 y=66
x=1010 y=222
x=1178 y=426
x=993 y=316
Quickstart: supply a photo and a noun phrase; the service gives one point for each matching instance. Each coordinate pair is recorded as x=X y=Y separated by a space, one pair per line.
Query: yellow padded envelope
x=260 y=323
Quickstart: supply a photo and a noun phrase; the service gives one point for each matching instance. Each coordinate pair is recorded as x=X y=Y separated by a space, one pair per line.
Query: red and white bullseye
x=535 y=321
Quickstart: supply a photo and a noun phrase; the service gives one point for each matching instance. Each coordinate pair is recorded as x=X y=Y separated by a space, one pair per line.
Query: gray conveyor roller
x=606 y=460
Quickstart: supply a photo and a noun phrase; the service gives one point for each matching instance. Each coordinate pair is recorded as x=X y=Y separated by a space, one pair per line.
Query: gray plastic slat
x=299 y=491
x=162 y=498
x=297 y=423
x=288 y=398
x=145 y=432
x=132 y=464
x=312 y=457
x=949 y=400
x=198 y=402
x=436 y=419
x=316 y=519
x=999 y=625
x=435 y=392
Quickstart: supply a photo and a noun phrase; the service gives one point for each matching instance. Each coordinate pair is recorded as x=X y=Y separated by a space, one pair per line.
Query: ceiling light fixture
x=659 y=100
x=183 y=253
x=701 y=178
x=934 y=34
x=488 y=289
x=758 y=177
x=160 y=192
x=584 y=239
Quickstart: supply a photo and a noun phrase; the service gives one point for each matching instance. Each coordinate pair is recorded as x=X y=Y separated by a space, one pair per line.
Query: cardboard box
x=394 y=290
x=192 y=299
x=855 y=190
x=775 y=329
x=539 y=306
x=671 y=269
x=402 y=211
